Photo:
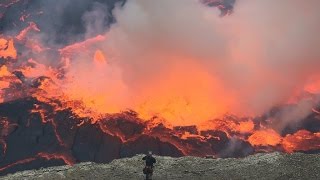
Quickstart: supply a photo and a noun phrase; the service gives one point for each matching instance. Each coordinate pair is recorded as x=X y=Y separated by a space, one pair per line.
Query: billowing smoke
x=181 y=60
x=226 y=78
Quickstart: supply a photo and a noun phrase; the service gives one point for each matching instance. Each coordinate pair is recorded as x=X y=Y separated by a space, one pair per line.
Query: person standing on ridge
x=148 y=169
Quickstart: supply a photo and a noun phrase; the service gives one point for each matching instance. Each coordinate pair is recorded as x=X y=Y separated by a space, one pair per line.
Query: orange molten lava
x=87 y=80
x=314 y=85
x=266 y=137
x=302 y=140
x=7 y=49
x=81 y=46
x=4 y=71
x=23 y=34
x=185 y=95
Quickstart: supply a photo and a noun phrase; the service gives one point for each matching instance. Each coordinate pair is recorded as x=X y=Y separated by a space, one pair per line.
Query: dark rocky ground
x=259 y=166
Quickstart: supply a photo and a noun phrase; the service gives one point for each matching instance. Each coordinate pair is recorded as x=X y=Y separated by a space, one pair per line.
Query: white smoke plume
x=180 y=59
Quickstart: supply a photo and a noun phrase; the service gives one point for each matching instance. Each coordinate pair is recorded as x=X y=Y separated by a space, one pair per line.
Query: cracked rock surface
x=258 y=166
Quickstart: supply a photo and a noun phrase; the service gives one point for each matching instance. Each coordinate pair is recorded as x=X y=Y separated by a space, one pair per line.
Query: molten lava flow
x=4 y=82
x=68 y=160
x=43 y=155
x=246 y=127
x=24 y=161
x=38 y=70
x=45 y=118
x=302 y=140
x=230 y=125
x=5 y=129
x=7 y=49
x=81 y=46
x=23 y=34
x=185 y=95
x=4 y=71
x=315 y=111
x=314 y=85
x=267 y=137
x=30 y=43
x=185 y=89
x=4 y=75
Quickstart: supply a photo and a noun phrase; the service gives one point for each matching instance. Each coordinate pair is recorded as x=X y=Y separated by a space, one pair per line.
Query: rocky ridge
x=258 y=166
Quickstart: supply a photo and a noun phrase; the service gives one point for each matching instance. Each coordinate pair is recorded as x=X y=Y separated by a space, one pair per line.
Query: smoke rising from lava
x=189 y=70
x=181 y=61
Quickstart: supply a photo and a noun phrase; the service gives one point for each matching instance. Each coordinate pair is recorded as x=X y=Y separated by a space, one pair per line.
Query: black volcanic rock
x=109 y=149
x=60 y=21
x=189 y=129
x=125 y=124
x=34 y=135
x=259 y=166
x=145 y=143
x=30 y=127
x=91 y=144
x=236 y=148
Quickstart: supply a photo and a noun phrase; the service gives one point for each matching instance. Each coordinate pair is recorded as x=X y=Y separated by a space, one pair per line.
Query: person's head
x=150 y=153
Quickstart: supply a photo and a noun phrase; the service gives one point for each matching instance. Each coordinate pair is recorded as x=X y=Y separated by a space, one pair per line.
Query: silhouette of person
x=148 y=169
